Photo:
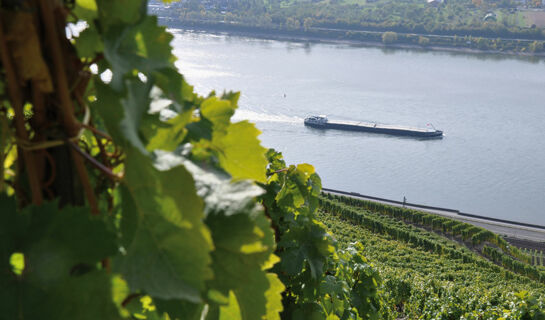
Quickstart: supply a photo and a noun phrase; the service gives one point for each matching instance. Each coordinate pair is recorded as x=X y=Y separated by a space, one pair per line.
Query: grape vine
x=426 y=276
x=124 y=194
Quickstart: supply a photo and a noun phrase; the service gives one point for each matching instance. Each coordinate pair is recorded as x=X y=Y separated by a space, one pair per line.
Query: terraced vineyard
x=429 y=272
x=538 y=257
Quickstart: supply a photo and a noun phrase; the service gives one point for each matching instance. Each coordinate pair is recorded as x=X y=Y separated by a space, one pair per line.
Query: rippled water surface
x=492 y=110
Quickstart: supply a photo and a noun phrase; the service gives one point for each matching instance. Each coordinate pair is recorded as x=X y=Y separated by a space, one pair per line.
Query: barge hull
x=383 y=130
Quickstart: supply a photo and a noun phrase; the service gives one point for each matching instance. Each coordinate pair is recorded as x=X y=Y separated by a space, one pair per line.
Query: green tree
x=389 y=37
x=307 y=23
x=423 y=41
x=292 y=23
x=535 y=46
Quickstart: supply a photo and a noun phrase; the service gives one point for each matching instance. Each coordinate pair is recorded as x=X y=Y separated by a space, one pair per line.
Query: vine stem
x=17 y=104
x=277 y=171
x=94 y=162
x=38 y=125
x=97 y=132
x=70 y=123
x=67 y=111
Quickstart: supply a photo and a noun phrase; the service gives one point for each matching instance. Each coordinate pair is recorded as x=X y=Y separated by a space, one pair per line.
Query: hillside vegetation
x=428 y=276
x=485 y=25
x=446 y=17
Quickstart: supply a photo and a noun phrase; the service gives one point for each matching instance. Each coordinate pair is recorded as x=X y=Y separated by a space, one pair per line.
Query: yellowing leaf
x=87 y=4
x=274 y=297
x=17 y=261
x=86 y=9
x=306 y=168
x=231 y=311
x=273 y=259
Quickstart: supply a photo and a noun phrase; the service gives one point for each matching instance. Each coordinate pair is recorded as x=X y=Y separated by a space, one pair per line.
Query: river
x=491 y=161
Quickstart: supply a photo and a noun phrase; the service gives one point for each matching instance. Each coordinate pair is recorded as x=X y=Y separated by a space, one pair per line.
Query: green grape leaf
x=124 y=116
x=220 y=194
x=130 y=122
x=108 y=105
x=236 y=144
x=121 y=11
x=163 y=263
x=86 y=10
x=174 y=87
x=165 y=135
x=332 y=286
x=310 y=243
x=179 y=309
x=291 y=196
x=52 y=240
x=12 y=229
x=129 y=219
x=87 y=297
x=160 y=259
x=310 y=311
x=61 y=248
x=239 y=257
x=144 y=47
x=219 y=112
x=201 y=129
x=241 y=153
x=89 y=43
x=58 y=234
x=83 y=297
x=135 y=107
x=243 y=238
x=300 y=190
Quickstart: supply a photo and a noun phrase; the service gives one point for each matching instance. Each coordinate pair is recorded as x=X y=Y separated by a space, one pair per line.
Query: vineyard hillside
x=429 y=271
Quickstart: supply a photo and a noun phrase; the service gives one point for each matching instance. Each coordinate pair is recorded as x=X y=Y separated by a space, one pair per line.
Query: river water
x=490 y=162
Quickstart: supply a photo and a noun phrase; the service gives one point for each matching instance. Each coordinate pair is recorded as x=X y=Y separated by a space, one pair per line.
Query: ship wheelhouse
x=317 y=120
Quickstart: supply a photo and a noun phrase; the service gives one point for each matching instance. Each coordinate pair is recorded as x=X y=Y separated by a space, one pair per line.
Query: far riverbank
x=334 y=36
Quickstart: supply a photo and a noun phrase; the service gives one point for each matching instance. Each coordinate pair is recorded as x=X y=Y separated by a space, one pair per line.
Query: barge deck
x=321 y=122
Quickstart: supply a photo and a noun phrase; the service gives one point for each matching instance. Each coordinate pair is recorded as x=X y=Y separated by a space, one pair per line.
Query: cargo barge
x=321 y=122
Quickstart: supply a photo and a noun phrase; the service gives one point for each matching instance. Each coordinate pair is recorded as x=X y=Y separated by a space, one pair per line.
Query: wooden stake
x=17 y=104
x=70 y=122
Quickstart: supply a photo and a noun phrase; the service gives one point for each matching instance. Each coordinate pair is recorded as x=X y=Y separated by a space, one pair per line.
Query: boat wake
x=264 y=117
